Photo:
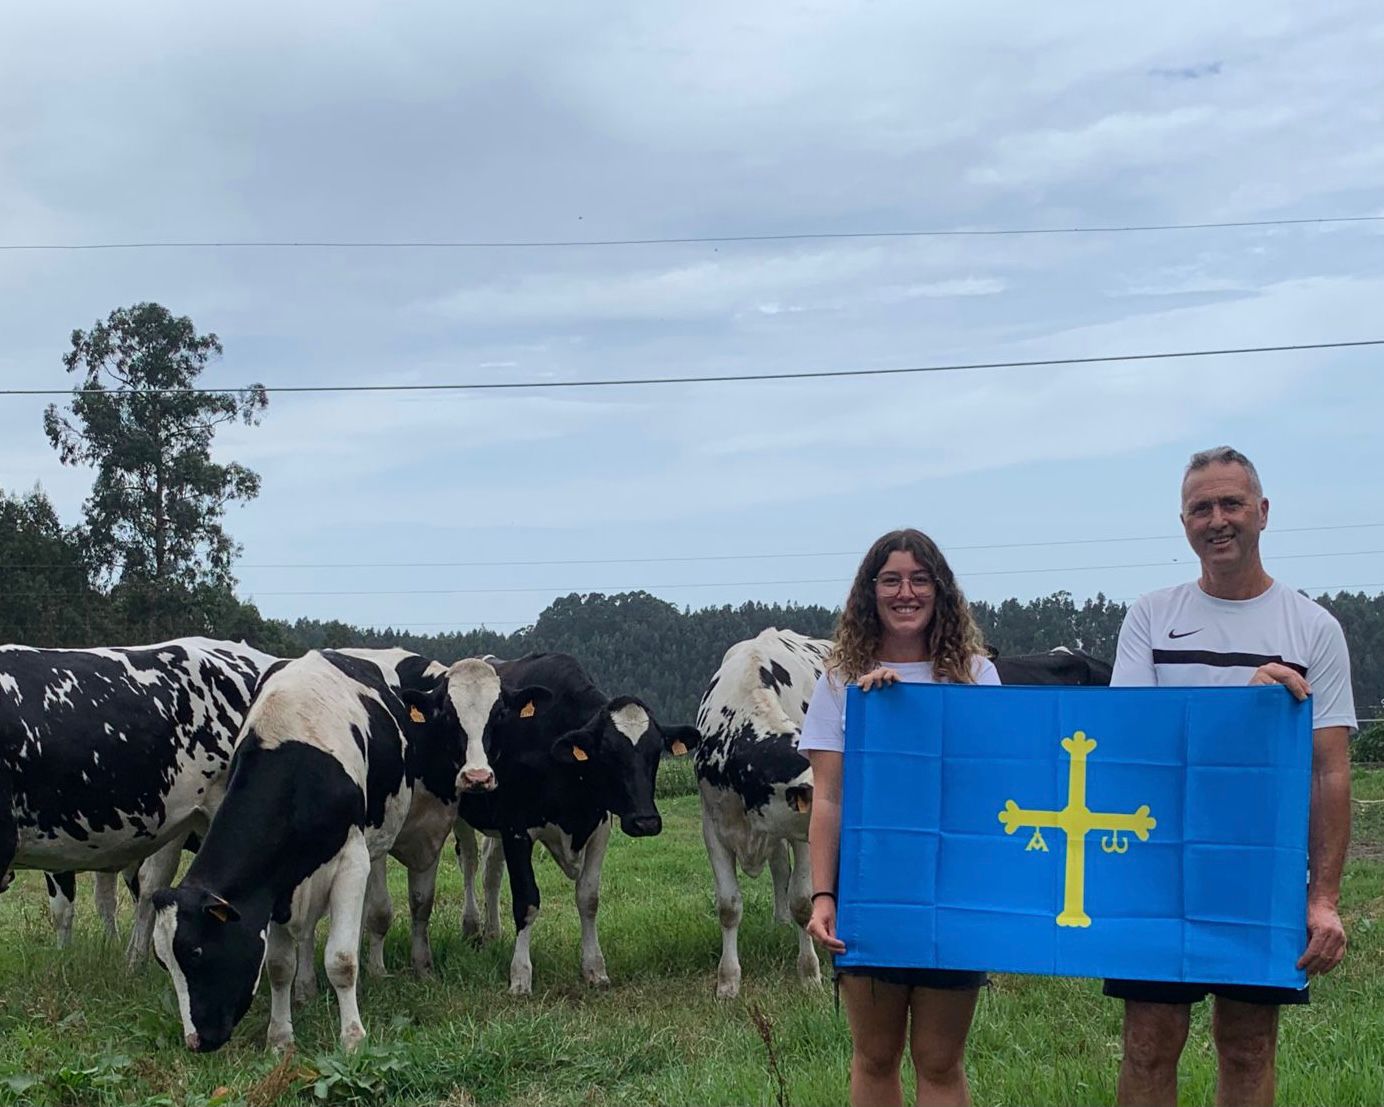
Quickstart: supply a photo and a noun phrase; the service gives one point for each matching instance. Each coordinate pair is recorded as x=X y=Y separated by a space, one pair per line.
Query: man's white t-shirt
x=824 y=726
x=1180 y=636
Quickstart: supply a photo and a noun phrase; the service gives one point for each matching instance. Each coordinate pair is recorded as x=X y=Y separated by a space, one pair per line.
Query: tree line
x=151 y=560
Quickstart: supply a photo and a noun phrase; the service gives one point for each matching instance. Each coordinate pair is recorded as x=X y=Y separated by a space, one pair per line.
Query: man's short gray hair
x=1225 y=455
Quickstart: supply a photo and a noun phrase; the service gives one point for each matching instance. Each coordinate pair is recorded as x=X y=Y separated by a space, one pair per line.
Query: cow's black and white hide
x=1057 y=666
x=107 y=755
x=322 y=786
x=756 y=788
x=564 y=774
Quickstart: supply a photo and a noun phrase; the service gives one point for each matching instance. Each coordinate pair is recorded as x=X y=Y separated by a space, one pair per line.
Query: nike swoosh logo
x=1185 y=633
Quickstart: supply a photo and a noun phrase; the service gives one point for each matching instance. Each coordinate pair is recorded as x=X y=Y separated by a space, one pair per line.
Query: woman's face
x=904 y=596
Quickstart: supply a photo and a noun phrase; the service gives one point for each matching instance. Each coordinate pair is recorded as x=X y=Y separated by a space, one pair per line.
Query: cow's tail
x=9 y=834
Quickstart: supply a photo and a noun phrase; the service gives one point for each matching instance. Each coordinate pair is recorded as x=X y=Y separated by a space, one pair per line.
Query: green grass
x=75 y=1027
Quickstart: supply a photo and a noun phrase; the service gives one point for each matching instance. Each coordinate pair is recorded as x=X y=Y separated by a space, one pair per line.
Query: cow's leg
x=347 y=905
x=379 y=914
x=305 y=979
x=493 y=870
x=593 y=966
x=281 y=963
x=800 y=902
x=155 y=874
x=9 y=834
x=467 y=861
x=130 y=877
x=780 y=873
x=729 y=907
x=62 y=904
x=103 y=895
x=422 y=889
x=523 y=889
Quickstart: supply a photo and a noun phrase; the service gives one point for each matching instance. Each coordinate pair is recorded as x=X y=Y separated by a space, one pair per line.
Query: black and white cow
x=322 y=786
x=563 y=774
x=107 y=755
x=756 y=788
x=1057 y=666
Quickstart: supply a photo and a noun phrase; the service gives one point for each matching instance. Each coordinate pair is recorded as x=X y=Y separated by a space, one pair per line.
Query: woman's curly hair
x=953 y=638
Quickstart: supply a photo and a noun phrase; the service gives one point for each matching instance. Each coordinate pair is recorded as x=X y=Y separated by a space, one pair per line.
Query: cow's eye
x=197 y=951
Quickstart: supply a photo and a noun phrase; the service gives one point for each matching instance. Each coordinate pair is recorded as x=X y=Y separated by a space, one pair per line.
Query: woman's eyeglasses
x=891 y=584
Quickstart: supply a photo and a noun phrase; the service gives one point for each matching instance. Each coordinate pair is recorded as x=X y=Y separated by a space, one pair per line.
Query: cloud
x=1188 y=72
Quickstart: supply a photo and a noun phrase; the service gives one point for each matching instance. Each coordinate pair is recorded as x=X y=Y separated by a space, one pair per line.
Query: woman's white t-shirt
x=824 y=727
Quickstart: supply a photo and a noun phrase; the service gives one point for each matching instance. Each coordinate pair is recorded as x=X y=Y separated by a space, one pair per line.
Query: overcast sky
x=374 y=121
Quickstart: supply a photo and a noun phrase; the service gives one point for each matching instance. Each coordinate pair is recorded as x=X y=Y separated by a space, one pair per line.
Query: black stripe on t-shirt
x=1223 y=660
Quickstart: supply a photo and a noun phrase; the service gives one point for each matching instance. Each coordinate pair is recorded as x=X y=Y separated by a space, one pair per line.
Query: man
x=1236 y=625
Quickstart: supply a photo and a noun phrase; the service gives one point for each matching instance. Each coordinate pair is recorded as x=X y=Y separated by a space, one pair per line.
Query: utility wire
x=684 y=240
x=490 y=386
x=702 y=557
x=964 y=575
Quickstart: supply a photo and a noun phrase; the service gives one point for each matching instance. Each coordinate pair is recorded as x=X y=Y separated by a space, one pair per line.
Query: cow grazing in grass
x=336 y=750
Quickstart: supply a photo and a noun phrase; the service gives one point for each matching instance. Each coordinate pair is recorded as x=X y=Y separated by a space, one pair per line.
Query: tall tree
x=154 y=516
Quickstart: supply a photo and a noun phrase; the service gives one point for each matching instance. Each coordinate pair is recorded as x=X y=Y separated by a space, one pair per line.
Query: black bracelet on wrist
x=816 y=894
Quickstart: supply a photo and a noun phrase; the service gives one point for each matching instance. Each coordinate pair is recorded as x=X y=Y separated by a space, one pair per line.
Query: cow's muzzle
x=642 y=826
x=477 y=780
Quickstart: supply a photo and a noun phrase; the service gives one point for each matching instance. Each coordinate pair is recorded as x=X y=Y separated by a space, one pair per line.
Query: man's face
x=1222 y=516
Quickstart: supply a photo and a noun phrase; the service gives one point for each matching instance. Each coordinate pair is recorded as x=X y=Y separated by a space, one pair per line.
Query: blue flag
x=1140 y=833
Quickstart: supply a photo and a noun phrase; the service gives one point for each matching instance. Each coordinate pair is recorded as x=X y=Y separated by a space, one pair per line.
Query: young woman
x=904 y=620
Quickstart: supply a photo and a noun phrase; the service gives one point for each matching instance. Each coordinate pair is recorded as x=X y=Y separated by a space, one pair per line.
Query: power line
x=511 y=563
x=488 y=386
x=683 y=240
x=1174 y=563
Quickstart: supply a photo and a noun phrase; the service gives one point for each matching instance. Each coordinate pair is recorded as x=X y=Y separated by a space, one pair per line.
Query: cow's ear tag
x=416 y=715
x=219 y=913
x=579 y=754
x=678 y=748
x=527 y=711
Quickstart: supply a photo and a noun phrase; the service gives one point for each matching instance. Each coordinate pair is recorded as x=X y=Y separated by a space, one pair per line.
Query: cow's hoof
x=596 y=978
x=471 y=927
x=490 y=934
x=520 y=987
x=425 y=971
x=280 y=1040
x=727 y=989
x=352 y=1036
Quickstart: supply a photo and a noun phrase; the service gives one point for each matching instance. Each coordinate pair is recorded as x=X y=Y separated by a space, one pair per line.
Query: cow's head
x=465 y=706
x=214 y=958
x=620 y=748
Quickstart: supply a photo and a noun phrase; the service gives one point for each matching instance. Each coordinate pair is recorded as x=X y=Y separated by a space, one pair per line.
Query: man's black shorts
x=1166 y=991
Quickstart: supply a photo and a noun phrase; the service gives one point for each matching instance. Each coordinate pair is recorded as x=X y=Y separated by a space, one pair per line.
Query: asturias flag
x=1142 y=833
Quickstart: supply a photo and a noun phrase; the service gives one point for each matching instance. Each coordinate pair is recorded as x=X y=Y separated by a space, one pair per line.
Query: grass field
x=75 y=1027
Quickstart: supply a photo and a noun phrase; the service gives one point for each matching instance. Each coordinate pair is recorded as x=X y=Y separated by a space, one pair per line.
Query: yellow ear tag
x=415 y=714
x=678 y=748
x=527 y=711
x=579 y=754
x=218 y=913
